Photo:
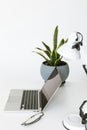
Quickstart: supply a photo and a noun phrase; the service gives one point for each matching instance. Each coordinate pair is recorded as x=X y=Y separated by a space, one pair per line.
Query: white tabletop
x=67 y=100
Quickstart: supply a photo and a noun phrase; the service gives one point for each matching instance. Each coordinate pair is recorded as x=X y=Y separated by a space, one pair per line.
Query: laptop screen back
x=49 y=88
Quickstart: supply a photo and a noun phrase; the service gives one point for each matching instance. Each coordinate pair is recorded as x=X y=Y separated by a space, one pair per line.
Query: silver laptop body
x=34 y=99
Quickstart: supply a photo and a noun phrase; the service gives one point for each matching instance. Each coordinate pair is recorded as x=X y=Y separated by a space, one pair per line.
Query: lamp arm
x=84 y=60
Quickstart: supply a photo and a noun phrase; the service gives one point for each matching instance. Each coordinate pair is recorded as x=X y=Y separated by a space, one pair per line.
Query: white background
x=24 y=24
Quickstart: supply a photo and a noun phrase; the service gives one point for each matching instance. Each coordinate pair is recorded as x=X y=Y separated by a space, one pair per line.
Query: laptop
x=34 y=99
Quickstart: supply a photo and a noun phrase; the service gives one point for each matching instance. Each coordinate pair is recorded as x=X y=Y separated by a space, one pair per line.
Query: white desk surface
x=67 y=99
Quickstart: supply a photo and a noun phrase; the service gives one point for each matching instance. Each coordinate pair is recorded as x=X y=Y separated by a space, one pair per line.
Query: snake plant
x=51 y=56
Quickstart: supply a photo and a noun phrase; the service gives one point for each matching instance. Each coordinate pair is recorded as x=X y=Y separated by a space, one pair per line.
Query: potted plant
x=53 y=58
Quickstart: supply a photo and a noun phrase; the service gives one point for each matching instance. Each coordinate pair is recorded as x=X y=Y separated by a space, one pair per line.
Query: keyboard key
x=29 y=99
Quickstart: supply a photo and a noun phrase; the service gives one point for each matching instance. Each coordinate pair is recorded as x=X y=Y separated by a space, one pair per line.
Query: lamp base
x=73 y=122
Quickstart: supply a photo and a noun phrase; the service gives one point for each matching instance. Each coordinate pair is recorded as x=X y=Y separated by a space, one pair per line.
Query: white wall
x=25 y=23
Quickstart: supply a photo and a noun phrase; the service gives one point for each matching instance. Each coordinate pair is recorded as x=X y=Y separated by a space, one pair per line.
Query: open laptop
x=34 y=99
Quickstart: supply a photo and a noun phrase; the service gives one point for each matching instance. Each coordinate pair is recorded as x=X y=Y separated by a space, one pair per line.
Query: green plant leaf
x=46 y=46
x=53 y=57
x=39 y=49
x=58 y=55
x=57 y=61
x=47 y=60
x=45 y=51
x=62 y=42
x=55 y=38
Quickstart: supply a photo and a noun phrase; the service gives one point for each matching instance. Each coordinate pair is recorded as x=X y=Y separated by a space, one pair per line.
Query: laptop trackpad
x=14 y=100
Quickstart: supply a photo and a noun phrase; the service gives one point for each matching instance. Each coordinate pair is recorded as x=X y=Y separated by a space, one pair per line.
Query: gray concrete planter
x=46 y=70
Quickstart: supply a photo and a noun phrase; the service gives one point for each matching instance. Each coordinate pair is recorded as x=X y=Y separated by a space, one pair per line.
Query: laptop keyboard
x=29 y=99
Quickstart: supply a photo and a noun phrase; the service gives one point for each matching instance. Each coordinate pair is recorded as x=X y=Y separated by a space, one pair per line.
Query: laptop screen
x=49 y=88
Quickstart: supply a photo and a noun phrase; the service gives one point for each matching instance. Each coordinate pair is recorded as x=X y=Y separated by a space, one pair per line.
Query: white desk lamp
x=71 y=50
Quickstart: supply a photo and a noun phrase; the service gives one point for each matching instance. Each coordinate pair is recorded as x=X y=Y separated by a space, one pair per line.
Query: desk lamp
x=71 y=50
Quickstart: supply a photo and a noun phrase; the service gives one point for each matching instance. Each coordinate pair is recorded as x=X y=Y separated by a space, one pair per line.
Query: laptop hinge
x=43 y=100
